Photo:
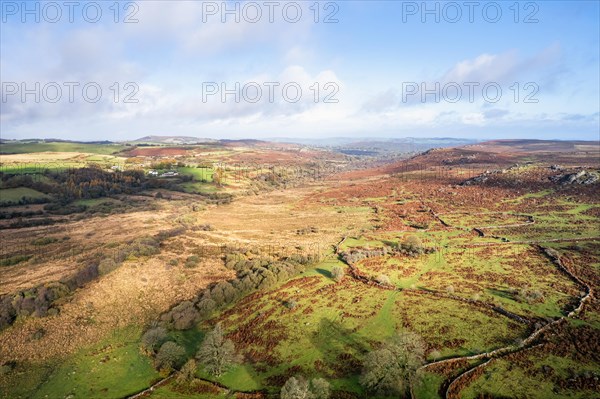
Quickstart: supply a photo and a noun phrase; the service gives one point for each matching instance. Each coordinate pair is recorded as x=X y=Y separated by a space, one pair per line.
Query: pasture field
x=23 y=148
x=13 y=195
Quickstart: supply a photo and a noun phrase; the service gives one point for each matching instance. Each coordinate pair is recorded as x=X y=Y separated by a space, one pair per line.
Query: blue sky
x=371 y=61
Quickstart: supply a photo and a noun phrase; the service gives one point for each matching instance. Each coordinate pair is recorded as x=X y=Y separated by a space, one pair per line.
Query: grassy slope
x=15 y=194
x=22 y=148
x=112 y=368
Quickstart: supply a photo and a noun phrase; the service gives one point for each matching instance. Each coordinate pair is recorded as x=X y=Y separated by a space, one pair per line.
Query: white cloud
x=501 y=68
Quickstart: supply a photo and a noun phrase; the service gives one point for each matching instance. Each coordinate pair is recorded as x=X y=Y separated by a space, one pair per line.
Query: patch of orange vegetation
x=157 y=152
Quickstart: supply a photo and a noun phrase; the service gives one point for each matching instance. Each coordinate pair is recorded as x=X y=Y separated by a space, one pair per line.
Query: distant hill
x=381 y=142
x=531 y=146
x=370 y=147
x=177 y=140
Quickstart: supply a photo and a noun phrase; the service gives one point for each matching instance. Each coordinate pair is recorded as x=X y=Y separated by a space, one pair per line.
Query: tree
x=218 y=176
x=187 y=374
x=184 y=315
x=216 y=353
x=169 y=356
x=392 y=369
x=320 y=388
x=153 y=338
x=337 y=273
x=296 y=388
x=300 y=388
x=206 y=305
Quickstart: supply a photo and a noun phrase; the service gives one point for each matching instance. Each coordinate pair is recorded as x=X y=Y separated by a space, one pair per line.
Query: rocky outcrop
x=582 y=177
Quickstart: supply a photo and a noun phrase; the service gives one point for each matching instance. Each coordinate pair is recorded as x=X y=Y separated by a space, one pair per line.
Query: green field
x=23 y=148
x=12 y=195
x=112 y=368
x=199 y=174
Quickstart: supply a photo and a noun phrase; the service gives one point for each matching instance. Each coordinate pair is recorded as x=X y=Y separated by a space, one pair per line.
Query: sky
x=110 y=70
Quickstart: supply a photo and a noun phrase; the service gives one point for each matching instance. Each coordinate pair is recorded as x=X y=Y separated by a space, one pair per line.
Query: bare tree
x=218 y=176
x=296 y=388
x=300 y=388
x=216 y=353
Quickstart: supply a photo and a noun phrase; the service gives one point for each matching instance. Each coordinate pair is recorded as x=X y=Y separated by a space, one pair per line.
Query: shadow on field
x=190 y=340
x=501 y=293
x=324 y=273
x=338 y=346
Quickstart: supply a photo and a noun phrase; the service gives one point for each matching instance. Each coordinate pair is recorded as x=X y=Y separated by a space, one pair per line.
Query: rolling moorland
x=168 y=268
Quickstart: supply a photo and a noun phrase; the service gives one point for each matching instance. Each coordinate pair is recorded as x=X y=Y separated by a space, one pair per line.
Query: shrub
x=435 y=354
x=529 y=295
x=106 y=266
x=25 y=306
x=382 y=279
x=7 y=368
x=337 y=273
x=413 y=242
x=14 y=260
x=7 y=312
x=166 y=234
x=169 y=356
x=44 y=241
x=192 y=261
x=82 y=277
x=291 y=303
